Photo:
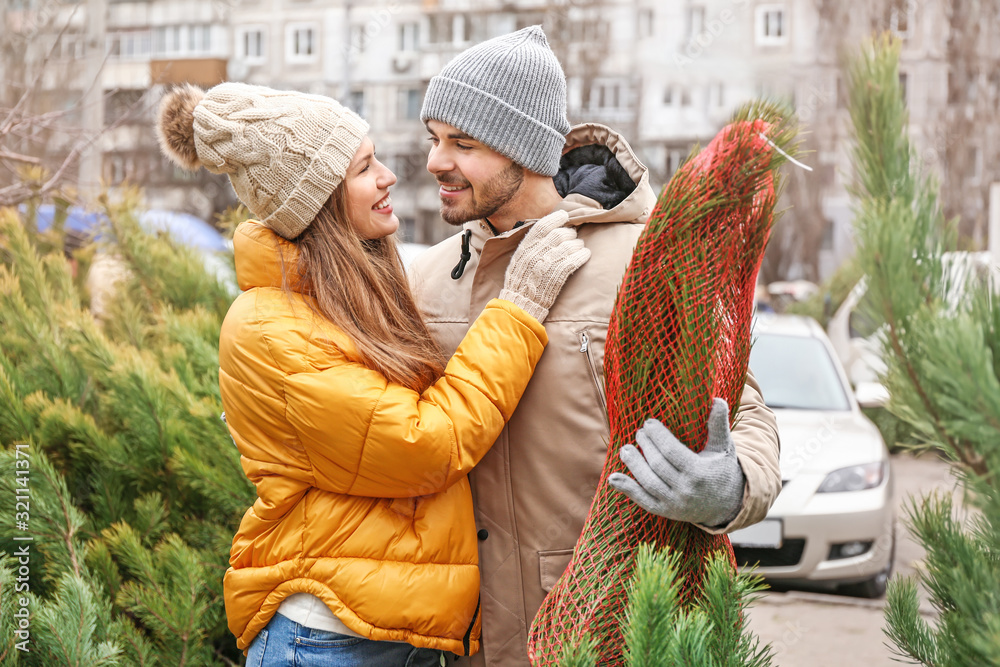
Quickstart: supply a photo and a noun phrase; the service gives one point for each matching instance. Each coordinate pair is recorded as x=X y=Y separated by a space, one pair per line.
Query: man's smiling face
x=475 y=180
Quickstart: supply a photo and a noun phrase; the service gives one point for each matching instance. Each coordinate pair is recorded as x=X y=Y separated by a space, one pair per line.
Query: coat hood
x=260 y=255
x=601 y=179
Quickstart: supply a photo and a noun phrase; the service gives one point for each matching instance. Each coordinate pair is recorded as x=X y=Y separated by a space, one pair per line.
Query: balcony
x=204 y=72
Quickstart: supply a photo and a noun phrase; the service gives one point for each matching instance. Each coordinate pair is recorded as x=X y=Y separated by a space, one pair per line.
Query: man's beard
x=489 y=199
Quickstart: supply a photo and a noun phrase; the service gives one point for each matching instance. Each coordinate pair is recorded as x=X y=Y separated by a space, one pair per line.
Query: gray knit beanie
x=285 y=152
x=509 y=93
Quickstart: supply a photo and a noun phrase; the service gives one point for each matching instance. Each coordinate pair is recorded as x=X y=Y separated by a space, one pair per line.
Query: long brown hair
x=359 y=285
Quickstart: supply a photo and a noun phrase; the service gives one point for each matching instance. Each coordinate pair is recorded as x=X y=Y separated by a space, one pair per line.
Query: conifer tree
x=660 y=629
x=941 y=342
x=135 y=487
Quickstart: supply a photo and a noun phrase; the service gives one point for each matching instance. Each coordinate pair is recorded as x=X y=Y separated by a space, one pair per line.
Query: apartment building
x=667 y=73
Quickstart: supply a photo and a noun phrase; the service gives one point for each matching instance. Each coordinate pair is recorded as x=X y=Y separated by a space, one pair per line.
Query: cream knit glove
x=547 y=255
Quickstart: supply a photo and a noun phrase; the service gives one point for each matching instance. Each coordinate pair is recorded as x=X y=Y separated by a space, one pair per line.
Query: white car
x=857 y=340
x=832 y=524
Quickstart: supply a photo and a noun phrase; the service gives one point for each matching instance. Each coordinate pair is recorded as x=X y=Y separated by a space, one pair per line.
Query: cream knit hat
x=285 y=152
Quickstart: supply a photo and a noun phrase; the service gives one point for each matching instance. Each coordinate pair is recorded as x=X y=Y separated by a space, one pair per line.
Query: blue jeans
x=285 y=643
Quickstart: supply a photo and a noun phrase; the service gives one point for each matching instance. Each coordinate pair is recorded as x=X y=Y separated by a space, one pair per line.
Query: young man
x=497 y=119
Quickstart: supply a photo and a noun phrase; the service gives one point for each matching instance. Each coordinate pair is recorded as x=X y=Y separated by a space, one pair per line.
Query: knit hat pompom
x=175 y=126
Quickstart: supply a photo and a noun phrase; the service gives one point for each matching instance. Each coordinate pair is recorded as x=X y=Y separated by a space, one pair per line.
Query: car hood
x=822 y=441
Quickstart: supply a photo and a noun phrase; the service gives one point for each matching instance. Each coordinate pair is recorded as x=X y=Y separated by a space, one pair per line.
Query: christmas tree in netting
x=679 y=336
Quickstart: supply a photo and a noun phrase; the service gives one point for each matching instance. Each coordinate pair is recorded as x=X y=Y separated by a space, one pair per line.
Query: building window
x=608 y=95
x=301 y=43
x=668 y=96
x=695 y=21
x=588 y=31
x=73 y=46
x=359 y=40
x=974 y=172
x=449 y=29
x=771 y=25
x=409 y=104
x=500 y=24
x=199 y=38
x=827 y=242
x=903 y=85
x=899 y=20
x=440 y=28
x=685 y=97
x=675 y=158
x=717 y=95
x=182 y=40
x=409 y=37
x=131 y=45
x=461 y=29
x=124 y=106
x=644 y=25
x=356 y=102
x=250 y=44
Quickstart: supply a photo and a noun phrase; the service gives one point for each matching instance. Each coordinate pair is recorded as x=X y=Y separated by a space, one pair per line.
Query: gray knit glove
x=674 y=482
x=547 y=255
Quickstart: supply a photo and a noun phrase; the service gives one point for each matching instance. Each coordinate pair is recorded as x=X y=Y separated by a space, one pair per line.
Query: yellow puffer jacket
x=363 y=498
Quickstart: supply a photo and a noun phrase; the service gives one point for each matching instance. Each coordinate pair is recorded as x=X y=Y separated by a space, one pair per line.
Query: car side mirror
x=871 y=395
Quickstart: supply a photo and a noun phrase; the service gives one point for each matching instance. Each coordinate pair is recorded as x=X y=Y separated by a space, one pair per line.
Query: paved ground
x=817 y=630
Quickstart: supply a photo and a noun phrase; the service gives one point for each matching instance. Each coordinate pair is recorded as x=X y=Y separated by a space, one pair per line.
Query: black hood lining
x=593 y=171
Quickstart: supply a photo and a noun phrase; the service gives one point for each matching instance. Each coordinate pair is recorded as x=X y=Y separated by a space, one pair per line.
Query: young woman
x=361 y=547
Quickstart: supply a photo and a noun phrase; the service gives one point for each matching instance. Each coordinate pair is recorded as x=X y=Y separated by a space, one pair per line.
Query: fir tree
x=660 y=629
x=135 y=486
x=941 y=343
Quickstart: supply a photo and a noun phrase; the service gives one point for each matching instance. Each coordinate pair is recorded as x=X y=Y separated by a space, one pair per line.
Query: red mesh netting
x=679 y=336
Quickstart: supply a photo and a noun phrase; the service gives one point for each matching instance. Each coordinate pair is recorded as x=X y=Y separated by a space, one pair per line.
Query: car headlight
x=854 y=478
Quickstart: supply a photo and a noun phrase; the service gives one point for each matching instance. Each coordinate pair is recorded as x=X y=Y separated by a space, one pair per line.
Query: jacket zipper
x=466 y=644
x=585 y=349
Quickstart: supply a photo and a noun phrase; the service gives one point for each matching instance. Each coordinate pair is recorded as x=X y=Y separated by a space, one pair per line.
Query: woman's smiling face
x=367 y=188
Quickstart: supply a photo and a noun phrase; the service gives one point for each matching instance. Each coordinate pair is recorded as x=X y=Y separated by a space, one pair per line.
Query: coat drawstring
x=457 y=272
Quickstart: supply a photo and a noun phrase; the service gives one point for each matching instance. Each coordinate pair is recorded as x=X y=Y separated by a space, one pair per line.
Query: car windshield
x=796 y=373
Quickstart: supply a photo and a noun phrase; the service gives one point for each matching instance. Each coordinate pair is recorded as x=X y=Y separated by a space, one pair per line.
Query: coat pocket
x=551 y=565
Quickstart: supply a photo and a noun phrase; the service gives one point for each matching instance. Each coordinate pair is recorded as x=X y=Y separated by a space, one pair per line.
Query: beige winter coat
x=533 y=489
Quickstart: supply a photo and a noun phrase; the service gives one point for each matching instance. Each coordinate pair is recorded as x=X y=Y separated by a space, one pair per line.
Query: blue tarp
x=187 y=229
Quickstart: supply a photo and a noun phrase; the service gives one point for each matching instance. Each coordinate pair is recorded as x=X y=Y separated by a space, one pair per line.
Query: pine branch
x=724 y=599
x=55 y=521
x=581 y=652
x=137 y=650
x=16 y=423
x=66 y=625
x=911 y=636
x=167 y=594
x=122 y=421
x=653 y=607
